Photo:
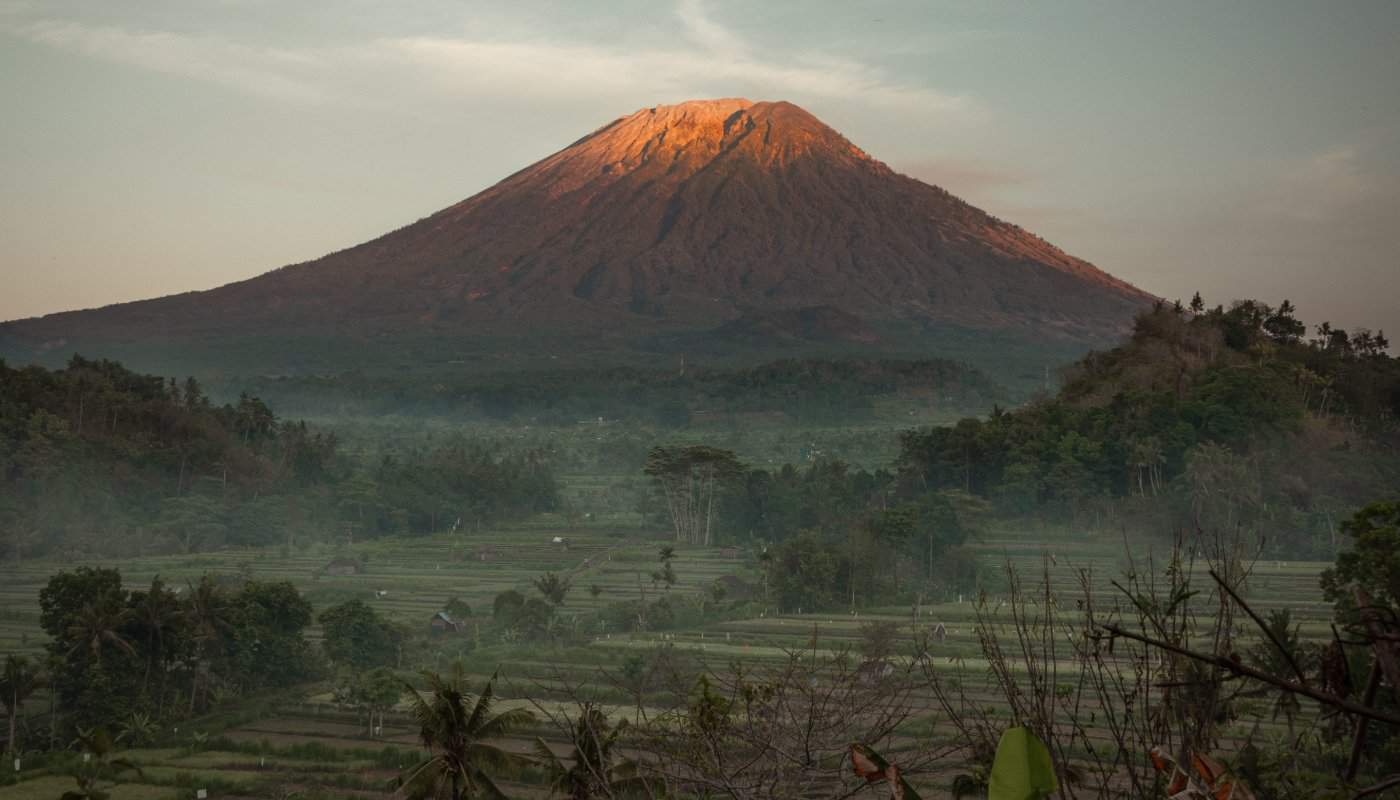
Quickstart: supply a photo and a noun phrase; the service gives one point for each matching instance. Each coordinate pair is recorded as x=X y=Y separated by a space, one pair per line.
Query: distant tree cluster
x=117 y=655
x=96 y=458
x=809 y=391
x=1229 y=416
x=827 y=534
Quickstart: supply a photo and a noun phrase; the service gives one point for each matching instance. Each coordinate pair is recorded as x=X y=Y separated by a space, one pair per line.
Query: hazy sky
x=1238 y=148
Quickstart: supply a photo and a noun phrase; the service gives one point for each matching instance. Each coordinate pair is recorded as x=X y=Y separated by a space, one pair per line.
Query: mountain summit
x=749 y=220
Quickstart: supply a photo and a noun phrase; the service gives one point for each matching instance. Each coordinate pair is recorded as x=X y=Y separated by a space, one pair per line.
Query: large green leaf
x=1022 y=769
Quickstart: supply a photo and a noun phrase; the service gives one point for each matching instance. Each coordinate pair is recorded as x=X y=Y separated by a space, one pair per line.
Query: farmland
x=303 y=741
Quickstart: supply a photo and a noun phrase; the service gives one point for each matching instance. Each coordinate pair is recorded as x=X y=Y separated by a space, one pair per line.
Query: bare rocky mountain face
x=727 y=223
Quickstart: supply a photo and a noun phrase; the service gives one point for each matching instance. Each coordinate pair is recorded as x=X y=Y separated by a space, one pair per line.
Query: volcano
x=732 y=222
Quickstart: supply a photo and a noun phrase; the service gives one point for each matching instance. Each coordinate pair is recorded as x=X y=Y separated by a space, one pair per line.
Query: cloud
x=705 y=32
x=1331 y=184
x=295 y=76
x=707 y=60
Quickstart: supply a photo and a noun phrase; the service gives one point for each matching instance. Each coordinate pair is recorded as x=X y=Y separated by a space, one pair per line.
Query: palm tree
x=593 y=773
x=20 y=679
x=454 y=727
x=159 y=613
x=208 y=613
x=96 y=627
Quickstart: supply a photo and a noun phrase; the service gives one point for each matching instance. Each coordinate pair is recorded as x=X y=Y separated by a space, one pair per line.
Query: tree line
x=95 y=457
x=808 y=391
x=1220 y=416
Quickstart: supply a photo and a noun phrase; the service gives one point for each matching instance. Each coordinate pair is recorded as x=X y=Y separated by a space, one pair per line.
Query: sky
x=1241 y=149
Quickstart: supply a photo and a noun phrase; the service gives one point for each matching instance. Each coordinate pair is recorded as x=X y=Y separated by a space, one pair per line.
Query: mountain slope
x=674 y=220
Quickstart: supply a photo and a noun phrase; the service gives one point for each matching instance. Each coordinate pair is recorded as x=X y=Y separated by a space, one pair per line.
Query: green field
x=283 y=745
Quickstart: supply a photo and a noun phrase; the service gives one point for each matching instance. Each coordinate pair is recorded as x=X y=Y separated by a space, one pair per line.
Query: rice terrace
x=316 y=744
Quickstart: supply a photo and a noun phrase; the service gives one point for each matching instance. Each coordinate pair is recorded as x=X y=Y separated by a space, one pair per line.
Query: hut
x=440 y=624
x=487 y=553
x=939 y=632
x=729 y=552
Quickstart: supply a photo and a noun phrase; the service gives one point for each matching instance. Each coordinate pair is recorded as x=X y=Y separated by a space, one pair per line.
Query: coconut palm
x=159 y=612
x=208 y=613
x=20 y=679
x=593 y=773
x=97 y=627
x=455 y=727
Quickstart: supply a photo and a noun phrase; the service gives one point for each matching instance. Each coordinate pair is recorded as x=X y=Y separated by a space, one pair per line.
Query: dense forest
x=1218 y=418
x=807 y=391
x=95 y=458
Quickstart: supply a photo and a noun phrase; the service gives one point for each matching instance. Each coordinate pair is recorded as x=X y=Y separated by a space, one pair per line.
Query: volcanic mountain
x=728 y=221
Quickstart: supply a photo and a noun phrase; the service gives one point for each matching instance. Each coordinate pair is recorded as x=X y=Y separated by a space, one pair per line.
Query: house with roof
x=441 y=623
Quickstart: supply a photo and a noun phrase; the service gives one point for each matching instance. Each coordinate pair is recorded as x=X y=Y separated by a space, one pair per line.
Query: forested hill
x=803 y=390
x=1223 y=417
x=96 y=458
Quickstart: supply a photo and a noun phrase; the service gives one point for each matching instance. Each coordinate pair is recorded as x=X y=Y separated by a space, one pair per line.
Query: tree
x=66 y=594
x=878 y=638
x=97 y=627
x=667 y=573
x=505 y=608
x=207 y=610
x=357 y=636
x=92 y=674
x=1372 y=563
x=457 y=608
x=690 y=478
x=379 y=689
x=455 y=727
x=158 y=612
x=893 y=529
x=268 y=646
x=807 y=572
x=18 y=682
x=552 y=588
x=197 y=520
x=593 y=770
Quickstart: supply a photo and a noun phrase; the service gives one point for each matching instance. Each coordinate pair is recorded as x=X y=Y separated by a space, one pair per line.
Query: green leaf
x=1022 y=769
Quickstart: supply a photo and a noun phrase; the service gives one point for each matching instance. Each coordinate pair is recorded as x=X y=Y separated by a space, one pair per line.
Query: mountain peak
x=684 y=217
x=674 y=141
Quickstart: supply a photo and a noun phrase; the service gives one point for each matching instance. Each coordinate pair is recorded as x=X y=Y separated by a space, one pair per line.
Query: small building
x=874 y=671
x=562 y=541
x=441 y=624
x=487 y=553
x=342 y=566
x=729 y=552
x=939 y=632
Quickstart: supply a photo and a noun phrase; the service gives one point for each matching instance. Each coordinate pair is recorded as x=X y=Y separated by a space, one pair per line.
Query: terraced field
x=410 y=579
